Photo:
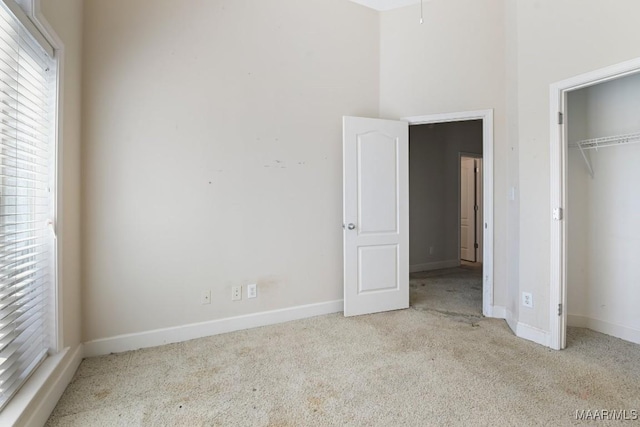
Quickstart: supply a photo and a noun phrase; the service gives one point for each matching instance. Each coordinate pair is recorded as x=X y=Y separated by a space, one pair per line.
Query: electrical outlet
x=527 y=299
x=236 y=293
x=252 y=290
x=205 y=297
x=430 y=250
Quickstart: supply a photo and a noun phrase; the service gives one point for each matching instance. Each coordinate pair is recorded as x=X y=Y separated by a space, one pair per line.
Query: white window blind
x=27 y=167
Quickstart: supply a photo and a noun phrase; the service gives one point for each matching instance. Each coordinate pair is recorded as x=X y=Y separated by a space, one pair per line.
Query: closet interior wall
x=603 y=211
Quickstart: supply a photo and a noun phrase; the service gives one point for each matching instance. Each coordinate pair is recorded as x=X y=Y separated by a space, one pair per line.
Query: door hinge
x=559 y=309
x=475 y=245
x=476 y=170
x=476 y=208
x=560 y=118
x=557 y=214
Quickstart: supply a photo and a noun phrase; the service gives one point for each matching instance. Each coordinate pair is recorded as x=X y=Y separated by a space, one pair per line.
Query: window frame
x=27 y=13
x=31 y=10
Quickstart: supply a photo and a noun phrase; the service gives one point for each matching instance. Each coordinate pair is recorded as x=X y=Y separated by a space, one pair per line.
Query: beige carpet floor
x=432 y=364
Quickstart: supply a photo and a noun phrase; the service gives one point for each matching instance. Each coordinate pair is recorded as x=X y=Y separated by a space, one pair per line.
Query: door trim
x=487 y=183
x=558 y=191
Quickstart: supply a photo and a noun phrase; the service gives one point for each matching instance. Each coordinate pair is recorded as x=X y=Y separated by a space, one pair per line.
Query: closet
x=603 y=208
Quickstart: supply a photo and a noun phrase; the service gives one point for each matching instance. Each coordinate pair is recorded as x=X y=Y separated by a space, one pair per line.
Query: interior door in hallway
x=468 y=208
x=376 y=215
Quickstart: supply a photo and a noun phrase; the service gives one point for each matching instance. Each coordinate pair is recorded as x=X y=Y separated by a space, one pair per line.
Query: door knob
x=351 y=226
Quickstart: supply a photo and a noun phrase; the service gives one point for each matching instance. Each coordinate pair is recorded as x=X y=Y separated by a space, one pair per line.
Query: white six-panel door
x=376 y=215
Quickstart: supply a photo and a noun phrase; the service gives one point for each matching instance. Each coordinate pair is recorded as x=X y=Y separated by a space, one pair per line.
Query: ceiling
x=386 y=4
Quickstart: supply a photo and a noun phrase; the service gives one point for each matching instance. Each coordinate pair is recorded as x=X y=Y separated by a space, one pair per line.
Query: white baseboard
x=436 y=265
x=532 y=333
x=175 y=334
x=624 y=332
x=512 y=322
x=38 y=397
x=522 y=330
x=498 y=312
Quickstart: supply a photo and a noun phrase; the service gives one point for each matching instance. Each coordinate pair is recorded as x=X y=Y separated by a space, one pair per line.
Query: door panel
x=377 y=177
x=377 y=268
x=376 y=215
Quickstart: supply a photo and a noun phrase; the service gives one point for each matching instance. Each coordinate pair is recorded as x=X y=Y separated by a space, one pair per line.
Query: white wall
x=603 y=227
x=213 y=154
x=433 y=189
x=556 y=40
x=258 y=90
x=512 y=304
x=455 y=61
x=577 y=212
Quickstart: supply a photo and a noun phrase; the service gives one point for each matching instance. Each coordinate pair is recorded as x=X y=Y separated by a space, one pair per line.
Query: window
x=27 y=208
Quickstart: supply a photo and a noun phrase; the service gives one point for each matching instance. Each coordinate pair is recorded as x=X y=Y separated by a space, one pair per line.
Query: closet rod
x=607 y=141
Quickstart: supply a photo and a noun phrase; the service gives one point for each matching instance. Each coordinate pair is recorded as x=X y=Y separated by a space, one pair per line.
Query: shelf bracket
x=607 y=141
x=587 y=160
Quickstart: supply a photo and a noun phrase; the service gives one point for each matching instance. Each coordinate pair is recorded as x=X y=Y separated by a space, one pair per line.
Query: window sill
x=35 y=401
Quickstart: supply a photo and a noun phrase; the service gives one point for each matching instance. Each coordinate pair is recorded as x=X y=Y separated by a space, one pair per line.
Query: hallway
x=454 y=291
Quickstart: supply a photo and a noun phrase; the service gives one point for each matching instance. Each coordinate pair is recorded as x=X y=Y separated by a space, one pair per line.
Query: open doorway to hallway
x=445 y=217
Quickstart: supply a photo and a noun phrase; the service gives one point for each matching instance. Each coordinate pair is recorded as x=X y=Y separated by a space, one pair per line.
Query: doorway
x=376 y=210
x=574 y=182
x=444 y=216
x=485 y=119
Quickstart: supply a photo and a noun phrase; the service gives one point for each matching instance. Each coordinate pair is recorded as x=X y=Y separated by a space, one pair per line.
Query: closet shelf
x=607 y=141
